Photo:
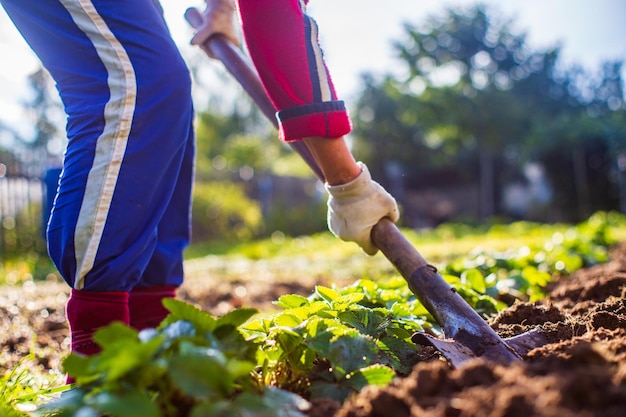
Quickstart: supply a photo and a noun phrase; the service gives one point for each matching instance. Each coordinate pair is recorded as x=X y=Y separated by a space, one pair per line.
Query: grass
x=21 y=390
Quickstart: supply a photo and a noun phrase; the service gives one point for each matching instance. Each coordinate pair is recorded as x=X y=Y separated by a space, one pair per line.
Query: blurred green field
x=323 y=255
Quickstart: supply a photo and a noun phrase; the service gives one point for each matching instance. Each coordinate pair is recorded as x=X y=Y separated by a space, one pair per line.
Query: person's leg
x=145 y=305
x=126 y=91
x=164 y=272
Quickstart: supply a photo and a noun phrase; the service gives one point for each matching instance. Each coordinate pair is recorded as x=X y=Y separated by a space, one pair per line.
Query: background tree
x=581 y=141
x=248 y=183
x=478 y=102
x=45 y=111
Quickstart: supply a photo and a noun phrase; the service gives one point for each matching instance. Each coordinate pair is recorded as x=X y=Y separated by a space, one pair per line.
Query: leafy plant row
x=327 y=345
x=522 y=273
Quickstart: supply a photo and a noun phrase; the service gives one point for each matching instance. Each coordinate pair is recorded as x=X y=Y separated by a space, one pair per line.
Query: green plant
x=193 y=365
x=12 y=386
x=523 y=273
x=337 y=341
x=21 y=390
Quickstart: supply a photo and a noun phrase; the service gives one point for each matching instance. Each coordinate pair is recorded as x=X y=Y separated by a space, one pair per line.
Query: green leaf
x=283 y=403
x=118 y=360
x=114 y=334
x=238 y=368
x=371 y=375
x=351 y=352
x=488 y=306
x=536 y=277
x=203 y=321
x=259 y=325
x=127 y=404
x=202 y=377
x=418 y=309
x=291 y=343
x=273 y=402
x=398 y=354
x=399 y=309
x=287 y=320
x=308 y=310
x=178 y=329
x=475 y=279
x=366 y=321
x=451 y=279
x=345 y=301
x=256 y=331
x=236 y=317
x=291 y=301
x=390 y=295
x=316 y=325
x=320 y=343
x=77 y=365
x=69 y=404
x=327 y=294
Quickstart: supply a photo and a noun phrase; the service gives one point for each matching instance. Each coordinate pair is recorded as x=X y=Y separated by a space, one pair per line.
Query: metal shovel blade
x=456 y=353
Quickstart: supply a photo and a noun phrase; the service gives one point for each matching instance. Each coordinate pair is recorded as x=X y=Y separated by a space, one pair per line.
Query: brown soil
x=580 y=372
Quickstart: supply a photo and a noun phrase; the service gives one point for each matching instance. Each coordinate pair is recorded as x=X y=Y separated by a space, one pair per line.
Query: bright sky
x=356 y=35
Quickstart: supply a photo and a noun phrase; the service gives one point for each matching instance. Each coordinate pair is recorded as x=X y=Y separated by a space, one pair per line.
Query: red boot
x=87 y=311
x=146 y=305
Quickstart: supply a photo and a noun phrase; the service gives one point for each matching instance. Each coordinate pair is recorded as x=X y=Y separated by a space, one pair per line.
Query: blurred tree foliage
x=237 y=159
x=477 y=104
x=22 y=162
x=222 y=211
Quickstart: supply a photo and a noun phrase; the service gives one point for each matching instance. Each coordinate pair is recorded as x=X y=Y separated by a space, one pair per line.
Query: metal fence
x=22 y=207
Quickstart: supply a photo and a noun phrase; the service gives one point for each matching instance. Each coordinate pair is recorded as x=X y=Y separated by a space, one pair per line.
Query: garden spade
x=467 y=335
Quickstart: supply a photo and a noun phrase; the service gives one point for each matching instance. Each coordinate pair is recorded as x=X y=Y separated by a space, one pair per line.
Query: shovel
x=467 y=335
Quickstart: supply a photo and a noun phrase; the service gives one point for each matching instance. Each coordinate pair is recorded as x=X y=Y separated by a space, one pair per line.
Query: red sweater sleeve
x=284 y=46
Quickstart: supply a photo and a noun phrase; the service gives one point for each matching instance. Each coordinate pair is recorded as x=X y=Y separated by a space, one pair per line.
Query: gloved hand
x=355 y=208
x=218 y=17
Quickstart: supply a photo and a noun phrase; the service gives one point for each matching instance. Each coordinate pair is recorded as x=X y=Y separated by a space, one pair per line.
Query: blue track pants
x=121 y=216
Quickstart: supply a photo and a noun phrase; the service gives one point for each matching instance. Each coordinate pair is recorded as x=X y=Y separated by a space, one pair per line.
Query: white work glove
x=217 y=18
x=355 y=208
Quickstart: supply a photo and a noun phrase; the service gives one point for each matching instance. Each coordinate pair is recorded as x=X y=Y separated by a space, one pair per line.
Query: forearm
x=334 y=159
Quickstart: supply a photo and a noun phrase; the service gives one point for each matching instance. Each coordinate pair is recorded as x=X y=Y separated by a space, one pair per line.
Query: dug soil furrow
x=580 y=372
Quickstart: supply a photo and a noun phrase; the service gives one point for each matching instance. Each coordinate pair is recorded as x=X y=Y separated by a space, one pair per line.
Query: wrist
x=343 y=175
x=358 y=186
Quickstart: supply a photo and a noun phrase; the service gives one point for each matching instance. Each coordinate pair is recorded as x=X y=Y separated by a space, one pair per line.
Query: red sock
x=146 y=305
x=87 y=311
